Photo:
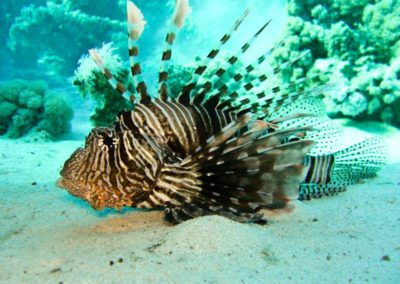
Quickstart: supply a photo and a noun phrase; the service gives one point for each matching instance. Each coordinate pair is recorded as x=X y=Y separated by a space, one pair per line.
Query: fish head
x=88 y=173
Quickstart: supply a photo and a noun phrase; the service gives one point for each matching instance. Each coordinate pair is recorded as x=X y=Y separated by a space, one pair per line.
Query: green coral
x=28 y=105
x=56 y=116
x=107 y=9
x=355 y=43
x=55 y=36
x=9 y=10
x=342 y=42
x=382 y=23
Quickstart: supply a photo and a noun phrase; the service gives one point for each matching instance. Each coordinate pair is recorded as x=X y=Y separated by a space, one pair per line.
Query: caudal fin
x=332 y=173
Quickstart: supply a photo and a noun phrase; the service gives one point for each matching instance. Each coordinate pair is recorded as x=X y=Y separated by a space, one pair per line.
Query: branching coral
x=374 y=92
x=108 y=9
x=352 y=42
x=8 y=12
x=382 y=23
x=57 y=35
x=27 y=105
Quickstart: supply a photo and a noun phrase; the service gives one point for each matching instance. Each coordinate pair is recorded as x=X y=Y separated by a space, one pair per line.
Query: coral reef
x=9 y=10
x=50 y=36
x=354 y=43
x=55 y=35
x=29 y=105
x=382 y=22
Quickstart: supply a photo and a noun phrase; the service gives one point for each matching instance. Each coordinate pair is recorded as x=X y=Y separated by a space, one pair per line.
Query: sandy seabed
x=48 y=236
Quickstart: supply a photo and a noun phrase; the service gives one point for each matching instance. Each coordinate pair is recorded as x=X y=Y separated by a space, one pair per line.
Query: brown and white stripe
x=318 y=169
x=227 y=65
x=184 y=96
x=135 y=28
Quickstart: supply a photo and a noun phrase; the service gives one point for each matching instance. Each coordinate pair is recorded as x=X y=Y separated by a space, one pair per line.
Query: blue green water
x=49 y=103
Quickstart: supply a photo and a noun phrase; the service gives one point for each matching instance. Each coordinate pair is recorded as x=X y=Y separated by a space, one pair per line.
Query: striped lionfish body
x=229 y=150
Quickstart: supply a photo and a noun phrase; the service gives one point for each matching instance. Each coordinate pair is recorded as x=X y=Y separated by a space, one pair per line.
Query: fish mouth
x=60 y=183
x=98 y=202
x=63 y=183
x=74 y=189
x=67 y=185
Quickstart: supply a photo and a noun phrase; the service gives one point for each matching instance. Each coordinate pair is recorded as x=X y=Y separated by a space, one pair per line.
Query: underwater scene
x=200 y=141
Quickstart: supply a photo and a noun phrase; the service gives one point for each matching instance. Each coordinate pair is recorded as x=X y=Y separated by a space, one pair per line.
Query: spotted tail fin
x=181 y=10
x=136 y=25
x=184 y=96
x=234 y=175
x=331 y=173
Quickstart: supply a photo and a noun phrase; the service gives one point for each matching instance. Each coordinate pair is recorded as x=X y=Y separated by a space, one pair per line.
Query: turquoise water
x=335 y=64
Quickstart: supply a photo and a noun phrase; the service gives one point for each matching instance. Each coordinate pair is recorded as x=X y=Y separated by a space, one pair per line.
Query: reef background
x=48 y=236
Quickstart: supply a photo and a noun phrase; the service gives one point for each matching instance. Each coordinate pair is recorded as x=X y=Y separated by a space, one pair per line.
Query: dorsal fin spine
x=228 y=64
x=240 y=75
x=135 y=27
x=184 y=96
x=181 y=10
x=163 y=89
x=220 y=72
x=118 y=86
x=271 y=97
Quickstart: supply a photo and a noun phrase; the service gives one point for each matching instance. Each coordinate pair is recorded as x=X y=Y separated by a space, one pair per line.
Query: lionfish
x=230 y=151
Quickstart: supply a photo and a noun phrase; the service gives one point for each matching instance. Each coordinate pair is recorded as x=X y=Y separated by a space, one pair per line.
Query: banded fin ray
x=181 y=10
x=226 y=66
x=269 y=102
x=184 y=96
x=118 y=86
x=234 y=86
x=264 y=178
x=135 y=27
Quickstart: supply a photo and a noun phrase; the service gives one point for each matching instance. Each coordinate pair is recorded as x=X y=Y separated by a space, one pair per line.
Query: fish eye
x=108 y=141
